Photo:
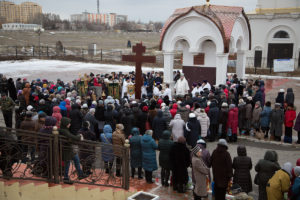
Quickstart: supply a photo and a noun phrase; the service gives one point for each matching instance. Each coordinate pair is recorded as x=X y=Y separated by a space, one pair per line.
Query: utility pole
x=98 y=5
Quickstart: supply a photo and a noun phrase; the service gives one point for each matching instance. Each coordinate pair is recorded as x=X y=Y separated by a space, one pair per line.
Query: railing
x=38 y=156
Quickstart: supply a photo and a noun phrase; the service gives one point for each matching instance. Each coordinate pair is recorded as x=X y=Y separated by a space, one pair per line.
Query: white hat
x=192 y=115
x=224 y=104
x=249 y=98
x=281 y=90
x=208 y=103
x=241 y=101
x=201 y=141
x=223 y=142
x=182 y=74
x=84 y=105
x=94 y=102
x=78 y=101
x=92 y=110
x=29 y=108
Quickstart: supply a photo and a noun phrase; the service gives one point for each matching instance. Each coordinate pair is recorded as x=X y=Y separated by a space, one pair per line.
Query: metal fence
x=41 y=157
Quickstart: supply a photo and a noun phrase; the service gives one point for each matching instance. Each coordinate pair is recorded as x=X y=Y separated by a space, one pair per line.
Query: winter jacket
x=63 y=108
x=204 y=123
x=213 y=114
x=256 y=114
x=177 y=125
x=127 y=120
x=233 y=120
x=135 y=149
x=200 y=172
x=297 y=123
x=192 y=132
x=265 y=169
x=109 y=117
x=149 y=155
x=223 y=116
x=173 y=111
x=118 y=140
x=289 y=97
x=141 y=122
x=7 y=104
x=76 y=119
x=93 y=122
x=258 y=97
x=99 y=114
x=242 y=115
x=26 y=92
x=280 y=98
x=278 y=184
x=277 y=119
x=159 y=125
x=68 y=106
x=290 y=116
x=296 y=188
x=167 y=115
x=184 y=113
x=221 y=166
x=180 y=159
x=57 y=115
x=68 y=152
x=265 y=117
x=242 y=166
x=164 y=146
x=107 y=148
x=248 y=115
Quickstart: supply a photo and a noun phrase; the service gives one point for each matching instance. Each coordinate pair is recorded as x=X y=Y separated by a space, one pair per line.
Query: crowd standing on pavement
x=178 y=126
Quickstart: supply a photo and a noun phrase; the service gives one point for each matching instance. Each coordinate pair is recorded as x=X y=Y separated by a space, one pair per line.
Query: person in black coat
x=142 y=119
x=180 y=160
x=12 y=89
x=213 y=115
x=109 y=116
x=127 y=120
x=290 y=97
x=258 y=96
x=76 y=119
x=193 y=130
x=159 y=125
x=242 y=166
x=280 y=97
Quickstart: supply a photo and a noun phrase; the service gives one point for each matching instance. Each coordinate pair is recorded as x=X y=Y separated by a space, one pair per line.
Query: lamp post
x=39 y=31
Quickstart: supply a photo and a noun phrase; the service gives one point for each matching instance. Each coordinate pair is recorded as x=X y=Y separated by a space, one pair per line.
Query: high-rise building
x=110 y=19
x=18 y=13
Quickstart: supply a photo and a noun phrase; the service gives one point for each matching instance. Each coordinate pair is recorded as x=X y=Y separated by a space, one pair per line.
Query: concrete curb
x=252 y=139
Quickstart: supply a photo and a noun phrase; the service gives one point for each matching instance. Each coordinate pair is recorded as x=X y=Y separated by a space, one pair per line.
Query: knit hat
x=120 y=127
x=288 y=167
x=223 y=142
x=84 y=105
x=297 y=171
x=29 y=108
x=281 y=90
x=196 y=149
x=92 y=110
x=94 y=102
x=100 y=102
x=188 y=107
x=224 y=105
x=192 y=115
x=145 y=109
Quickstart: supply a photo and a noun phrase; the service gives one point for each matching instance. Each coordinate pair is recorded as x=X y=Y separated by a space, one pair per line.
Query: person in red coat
x=173 y=111
x=232 y=123
x=290 y=116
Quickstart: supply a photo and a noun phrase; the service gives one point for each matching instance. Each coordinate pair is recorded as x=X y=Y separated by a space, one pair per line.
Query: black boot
x=298 y=142
x=162 y=175
x=167 y=178
x=132 y=172
x=140 y=173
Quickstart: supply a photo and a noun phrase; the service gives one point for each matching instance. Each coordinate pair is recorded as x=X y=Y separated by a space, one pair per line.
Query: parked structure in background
x=275 y=30
x=18 y=13
x=20 y=27
x=109 y=19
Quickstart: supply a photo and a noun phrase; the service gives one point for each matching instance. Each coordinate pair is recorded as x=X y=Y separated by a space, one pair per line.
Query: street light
x=39 y=31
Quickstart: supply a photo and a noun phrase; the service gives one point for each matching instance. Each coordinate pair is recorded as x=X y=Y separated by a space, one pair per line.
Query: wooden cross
x=139 y=49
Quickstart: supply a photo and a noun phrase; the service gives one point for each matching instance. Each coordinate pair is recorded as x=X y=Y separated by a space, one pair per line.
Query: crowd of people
x=178 y=126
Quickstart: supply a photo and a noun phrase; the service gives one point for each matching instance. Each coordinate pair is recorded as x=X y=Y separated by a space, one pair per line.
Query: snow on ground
x=66 y=70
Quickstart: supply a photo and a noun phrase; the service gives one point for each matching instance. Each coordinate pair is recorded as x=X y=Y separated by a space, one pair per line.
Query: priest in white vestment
x=125 y=86
x=181 y=86
x=198 y=89
x=167 y=92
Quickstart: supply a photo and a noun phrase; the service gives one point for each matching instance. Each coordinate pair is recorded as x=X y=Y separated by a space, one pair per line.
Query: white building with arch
x=275 y=26
x=205 y=35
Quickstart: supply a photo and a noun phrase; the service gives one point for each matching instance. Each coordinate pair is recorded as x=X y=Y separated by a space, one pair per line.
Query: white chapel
x=275 y=32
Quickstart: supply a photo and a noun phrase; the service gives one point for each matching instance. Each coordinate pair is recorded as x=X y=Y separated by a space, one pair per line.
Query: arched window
x=281 y=34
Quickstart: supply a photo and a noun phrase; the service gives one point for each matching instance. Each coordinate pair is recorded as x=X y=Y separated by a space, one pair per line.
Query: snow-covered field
x=66 y=70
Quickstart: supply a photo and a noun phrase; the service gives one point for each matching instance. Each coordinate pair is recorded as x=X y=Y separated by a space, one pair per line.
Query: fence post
x=16 y=51
x=125 y=171
x=47 y=51
x=55 y=155
x=32 y=51
x=101 y=55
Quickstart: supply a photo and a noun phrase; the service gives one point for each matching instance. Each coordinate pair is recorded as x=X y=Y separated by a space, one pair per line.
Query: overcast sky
x=143 y=10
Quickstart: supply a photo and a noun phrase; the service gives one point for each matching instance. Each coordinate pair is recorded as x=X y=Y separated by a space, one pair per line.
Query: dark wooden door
x=279 y=51
x=257 y=58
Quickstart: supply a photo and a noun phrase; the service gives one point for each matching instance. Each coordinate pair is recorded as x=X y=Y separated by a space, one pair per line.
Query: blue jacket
x=107 y=149
x=296 y=188
x=265 y=116
x=135 y=149
x=149 y=155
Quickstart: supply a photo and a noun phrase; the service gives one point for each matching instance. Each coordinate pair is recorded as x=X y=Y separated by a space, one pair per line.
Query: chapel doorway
x=279 y=51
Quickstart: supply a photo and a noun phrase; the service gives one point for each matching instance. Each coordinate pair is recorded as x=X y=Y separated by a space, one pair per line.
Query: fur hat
x=223 y=142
